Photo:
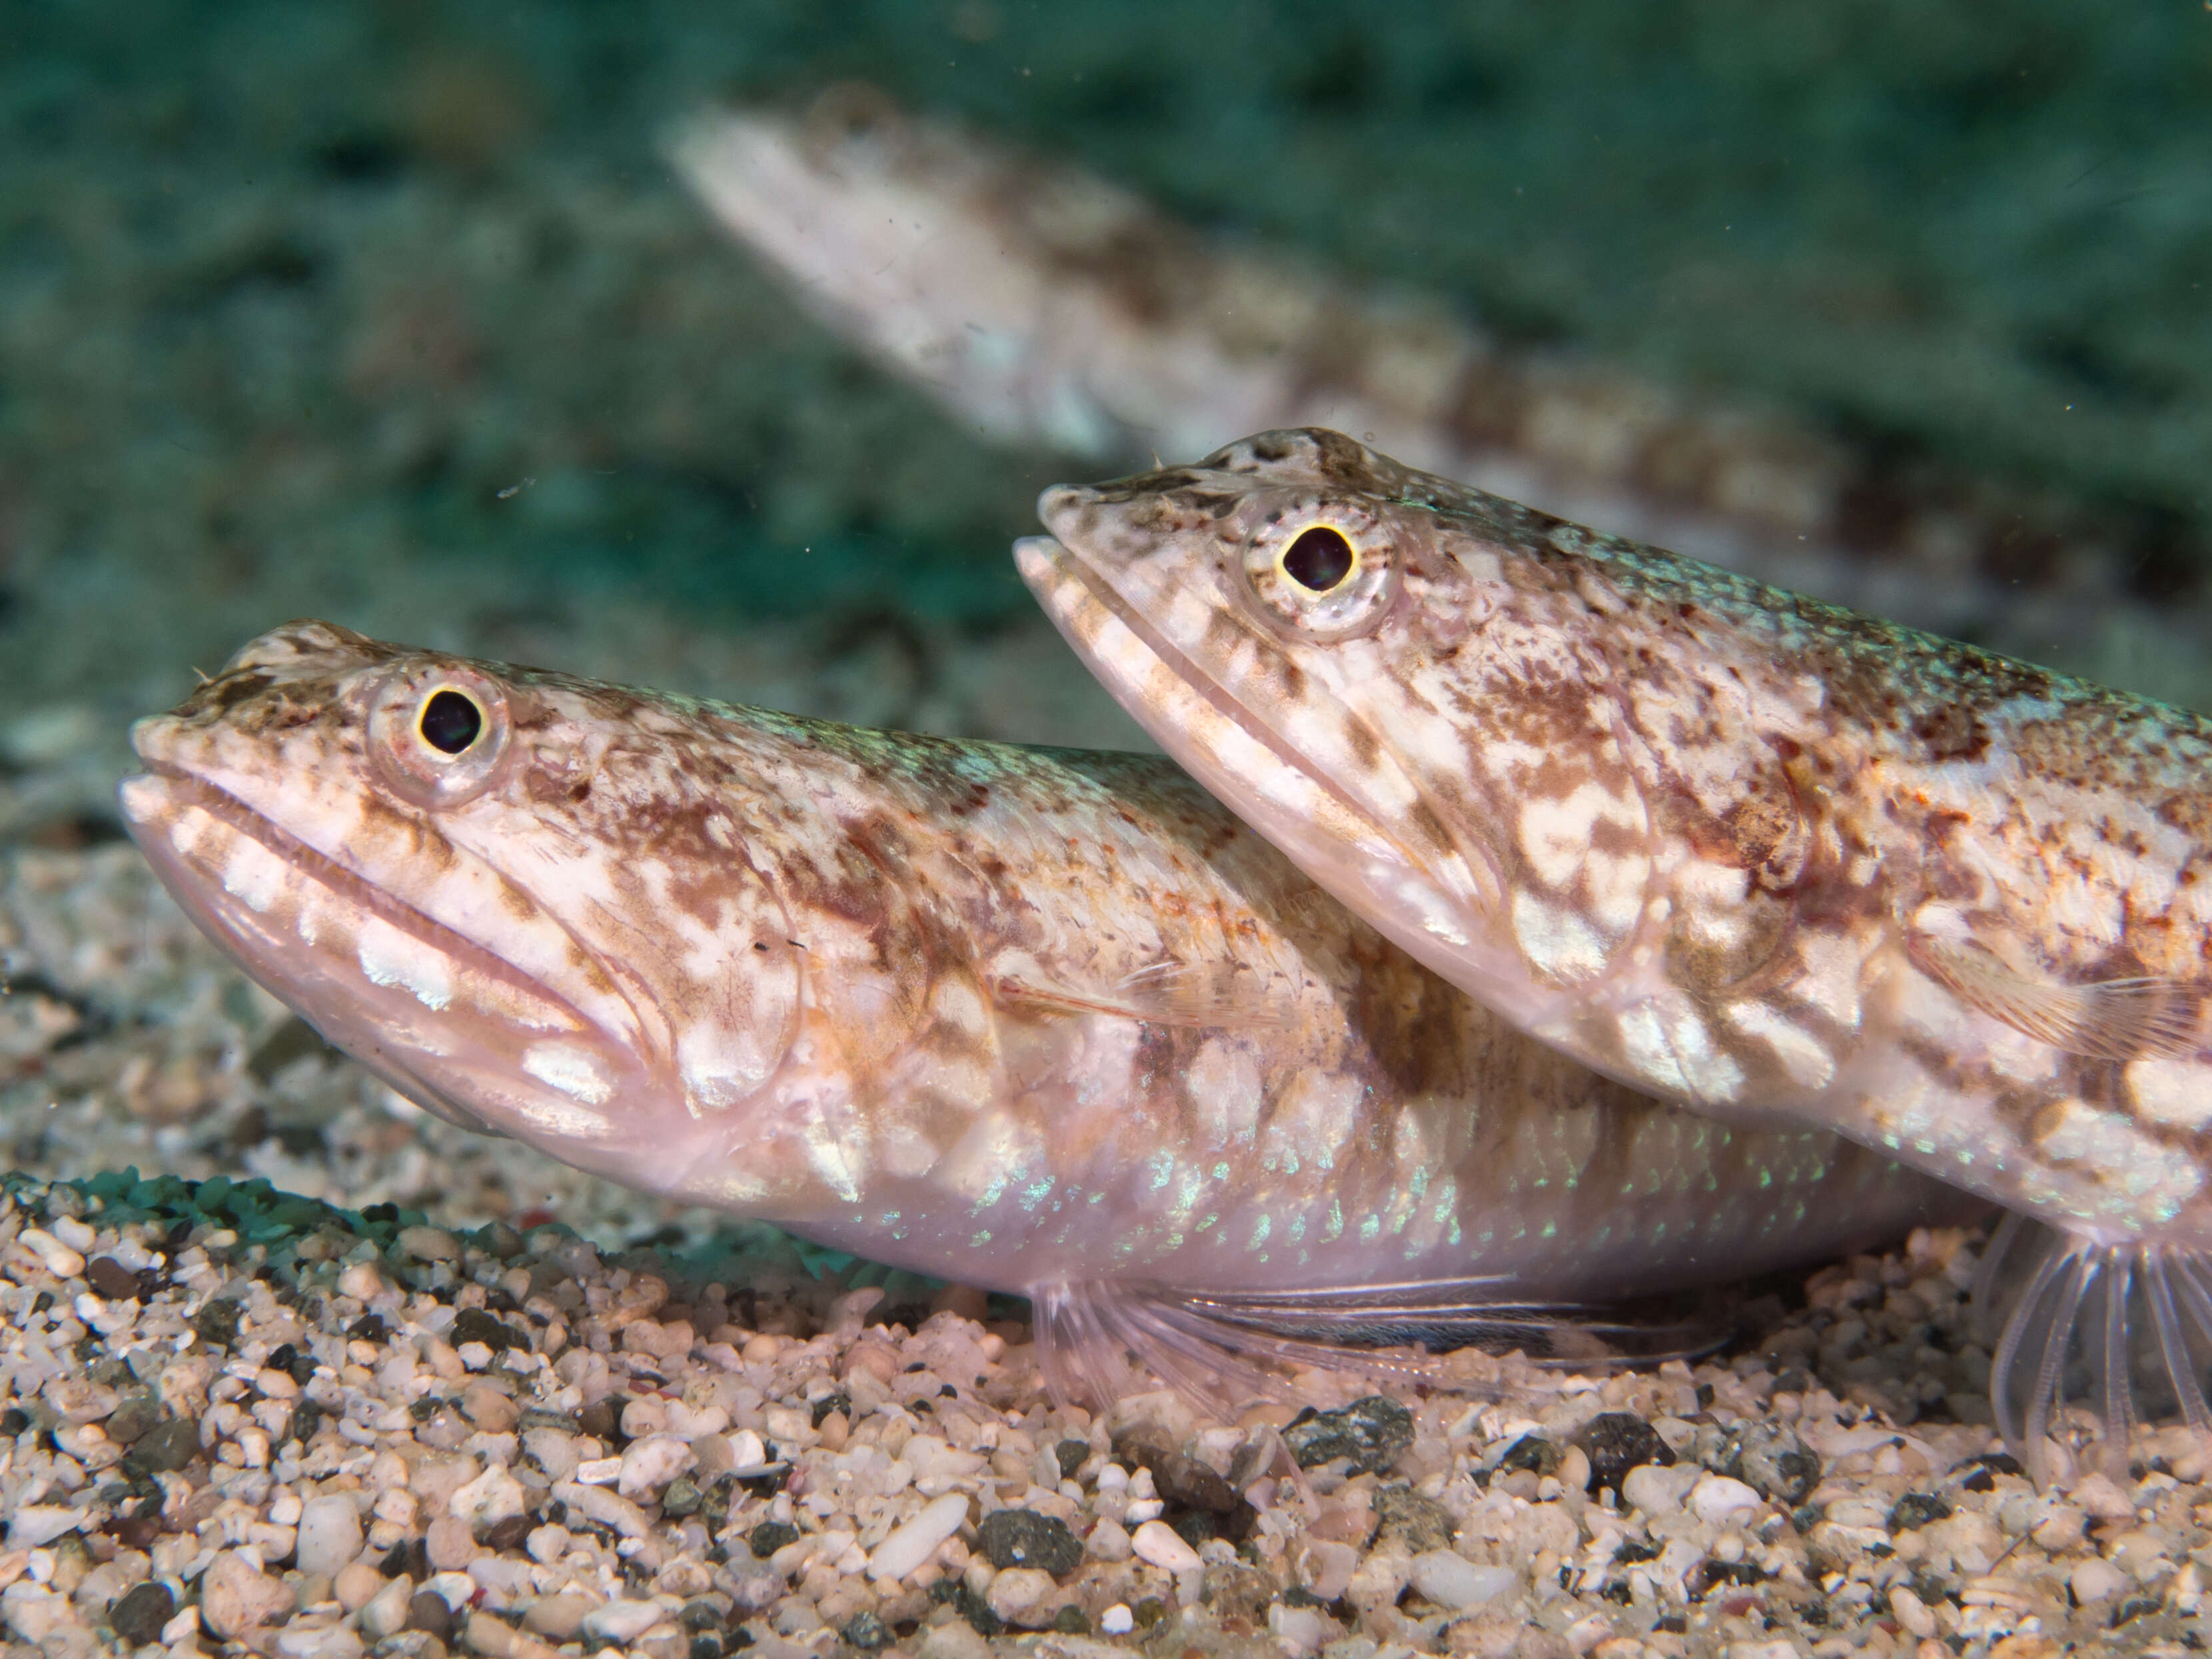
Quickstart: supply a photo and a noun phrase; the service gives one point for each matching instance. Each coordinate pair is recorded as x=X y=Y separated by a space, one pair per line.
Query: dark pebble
x=1915 y=1509
x=1420 y=1522
x=828 y=1403
x=111 y=1278
x=1024 y=1538
x=164 y=1449
x=1372 y=1432
x=1070 y=1455
x=700 y=1614
x=508 y=1532
x=475 y=1325
x=681 y=1497
x=141 y=1611
x=370 y=1328
x=427 y=1611
x=706 y=1647
x=866 y=1633
x=769 y=1536
x=1531 y=1452
x=1183 y=1480
x=127 y=1425
x=1617 y=1441
x=216 y=1324
x=1070 y=1621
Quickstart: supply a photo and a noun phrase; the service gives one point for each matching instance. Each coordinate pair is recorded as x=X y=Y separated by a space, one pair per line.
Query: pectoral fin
x=1229 y=995
x=1227 y=1349
x=2112 y=1019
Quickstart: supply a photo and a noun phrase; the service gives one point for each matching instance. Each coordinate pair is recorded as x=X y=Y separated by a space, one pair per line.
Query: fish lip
x=1069 y=559
x=356 y=888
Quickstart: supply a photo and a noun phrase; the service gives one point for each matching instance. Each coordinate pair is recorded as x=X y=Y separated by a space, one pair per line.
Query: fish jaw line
x=1325 y=829
x=230 y=866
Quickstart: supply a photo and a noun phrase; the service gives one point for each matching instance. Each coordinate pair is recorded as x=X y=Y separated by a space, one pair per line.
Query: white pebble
x=1718 y=1499
x=33 y=1524
x=2095 y=1579
x=329 y=1535
x=651 y=1463
x=61 y=1262
x=1451 y=1580
x=492 y=1497
x=913 y=1542
x=1911 y=1612
x=620 y=1622
x=237 y=1598
x=317 y=1642
x=1117 y=1620
x=74 y=1233
x=609 y=1509
x=1656 y=1491
x=385 y=1614
x=1016 y=1591
x=363 y=1282
x=599 y=1471
x=1159 y=1544
x=747 y=1450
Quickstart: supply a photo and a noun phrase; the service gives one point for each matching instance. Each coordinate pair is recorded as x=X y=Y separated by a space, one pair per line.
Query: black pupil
x=1319 y=559
x=450 y=722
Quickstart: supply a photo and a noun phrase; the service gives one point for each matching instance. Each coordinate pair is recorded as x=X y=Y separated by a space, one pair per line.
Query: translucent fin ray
x=2124 y=1328
x=1226 y=996
x=1227 y=1350
x=2114 y=1019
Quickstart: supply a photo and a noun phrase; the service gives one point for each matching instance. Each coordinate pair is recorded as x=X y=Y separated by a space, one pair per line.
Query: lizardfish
x=1750 y=852
x=1040 y=1020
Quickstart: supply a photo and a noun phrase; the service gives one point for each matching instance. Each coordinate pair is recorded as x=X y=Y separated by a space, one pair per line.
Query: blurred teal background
x=392 y=312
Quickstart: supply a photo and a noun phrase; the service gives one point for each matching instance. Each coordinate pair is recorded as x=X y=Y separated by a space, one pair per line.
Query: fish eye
x=450 y=721
x=1321 y=572
x=1319 y=559
x=439 y=733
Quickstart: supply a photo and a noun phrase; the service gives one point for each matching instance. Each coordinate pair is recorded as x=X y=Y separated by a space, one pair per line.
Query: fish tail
x=2126 y=1329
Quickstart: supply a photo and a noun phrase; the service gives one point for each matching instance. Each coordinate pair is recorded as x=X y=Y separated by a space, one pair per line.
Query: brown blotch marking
x=2191 y=812
x=1951 y=732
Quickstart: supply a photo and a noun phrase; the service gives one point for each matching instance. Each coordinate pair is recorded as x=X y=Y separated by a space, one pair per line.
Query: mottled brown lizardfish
x=1744 y=849
x=1041 y=1020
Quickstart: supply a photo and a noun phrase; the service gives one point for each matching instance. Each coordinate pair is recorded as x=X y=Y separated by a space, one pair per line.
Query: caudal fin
x=2125 y=1328
x=1228 y=1349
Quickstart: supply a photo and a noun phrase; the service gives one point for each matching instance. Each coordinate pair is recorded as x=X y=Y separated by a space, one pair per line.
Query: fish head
x=1284 y=617
x=489 y=885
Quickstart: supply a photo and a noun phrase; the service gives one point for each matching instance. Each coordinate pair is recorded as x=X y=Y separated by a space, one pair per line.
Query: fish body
x=1047 y=307
x=1044 y=1020
x=1745 y=850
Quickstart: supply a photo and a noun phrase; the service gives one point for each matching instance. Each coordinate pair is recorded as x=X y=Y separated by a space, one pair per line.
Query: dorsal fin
x=2112 y=1019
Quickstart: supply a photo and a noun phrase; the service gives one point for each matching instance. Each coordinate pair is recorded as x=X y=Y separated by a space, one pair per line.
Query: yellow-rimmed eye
x=438 y=731
x=450 y=720
x=1320 y=558
x=1321 y=572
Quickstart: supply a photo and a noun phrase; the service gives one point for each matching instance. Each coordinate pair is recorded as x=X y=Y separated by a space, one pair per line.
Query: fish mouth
x=391 y=1032
x=1326 y=824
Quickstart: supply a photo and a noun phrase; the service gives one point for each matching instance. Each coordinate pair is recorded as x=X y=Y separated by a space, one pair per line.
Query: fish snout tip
x=1038 y=557
x=144 y=797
